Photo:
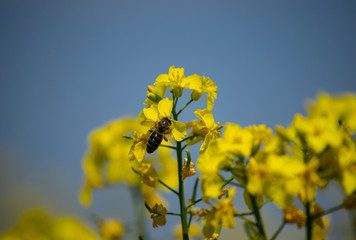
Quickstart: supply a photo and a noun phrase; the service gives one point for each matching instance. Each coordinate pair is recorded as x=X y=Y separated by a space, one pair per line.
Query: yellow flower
x=318 y=133
x=338 y=109
x=107 y=160
x=283 y=180
x=294 y=215
x=158 y=215
x=256 y=174
x=155 y=113
x=35 y=224
x=111 y=230
x=237 y=141
x=206 y=129
x=188 y=171
x=194 y=231
x=215 y=236
x=260 y=134
x=201 y=85
x=319 y=233
x=221 y=214
x=175 y=79
x=210 y=185
x=107 y=156
x=138 y=148
x=347 y=164
x=149 y=175
x=225 y=211
x=311 y=181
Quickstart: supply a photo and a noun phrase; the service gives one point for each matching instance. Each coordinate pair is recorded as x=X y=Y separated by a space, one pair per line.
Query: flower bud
x=111 y=230
x=196 y=95
x=152 y=94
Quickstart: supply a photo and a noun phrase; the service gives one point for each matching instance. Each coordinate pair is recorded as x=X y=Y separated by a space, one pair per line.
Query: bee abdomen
x=154 y=141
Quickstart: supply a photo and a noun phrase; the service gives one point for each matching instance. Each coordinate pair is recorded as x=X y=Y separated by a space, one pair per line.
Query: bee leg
x=165 y=138
x=150 y=130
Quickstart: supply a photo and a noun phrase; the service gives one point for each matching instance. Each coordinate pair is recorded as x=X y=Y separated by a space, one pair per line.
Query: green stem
x=174 y=191
x=226 y=182
x=243 y=214
x=256 y=211
x=171 y=213
x=167 y=146
x=193 y=203
x=278 y=230
x=194 y=195
x=333 y=209
x=183 y=209
x=259 y=220
x=309 y=223
x=186 y=105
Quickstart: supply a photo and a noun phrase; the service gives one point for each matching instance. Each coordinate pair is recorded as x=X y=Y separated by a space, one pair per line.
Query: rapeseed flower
x=220 y=214
x=194 y=231
x=339 y=109
x=294 y=215
x=175 y=79
x=35 y=224
x=204 y=130
x=151 y=115
x=318 y=133
x=200 y=85
x=107 y=160
x=236 y=140
x=111 y=230
x=149 y=176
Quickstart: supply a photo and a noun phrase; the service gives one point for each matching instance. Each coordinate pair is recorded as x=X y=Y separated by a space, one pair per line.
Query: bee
x=163 y=127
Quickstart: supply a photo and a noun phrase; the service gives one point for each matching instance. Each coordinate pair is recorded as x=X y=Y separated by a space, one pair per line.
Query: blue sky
x=67 y=67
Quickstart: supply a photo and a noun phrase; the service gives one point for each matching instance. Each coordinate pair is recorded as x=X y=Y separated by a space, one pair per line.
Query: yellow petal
x=205 y=116
x=165 y=107
x=151 y=113
x=179 y=130
x=163 y=78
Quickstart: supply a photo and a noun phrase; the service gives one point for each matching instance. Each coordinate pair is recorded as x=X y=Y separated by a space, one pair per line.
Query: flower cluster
x=277 y=165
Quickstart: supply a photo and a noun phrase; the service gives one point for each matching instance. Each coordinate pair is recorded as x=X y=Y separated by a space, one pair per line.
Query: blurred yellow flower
x=107 y=160
x=194 y=231
x=111 y=230
x=281 y=178
x=149 y=175
x=35 y=224
x=294 y=215
x=221 y=214
x=237 y=141
x=214 y=236
x=338 y=109
x=318 y=133
x=108 y=150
